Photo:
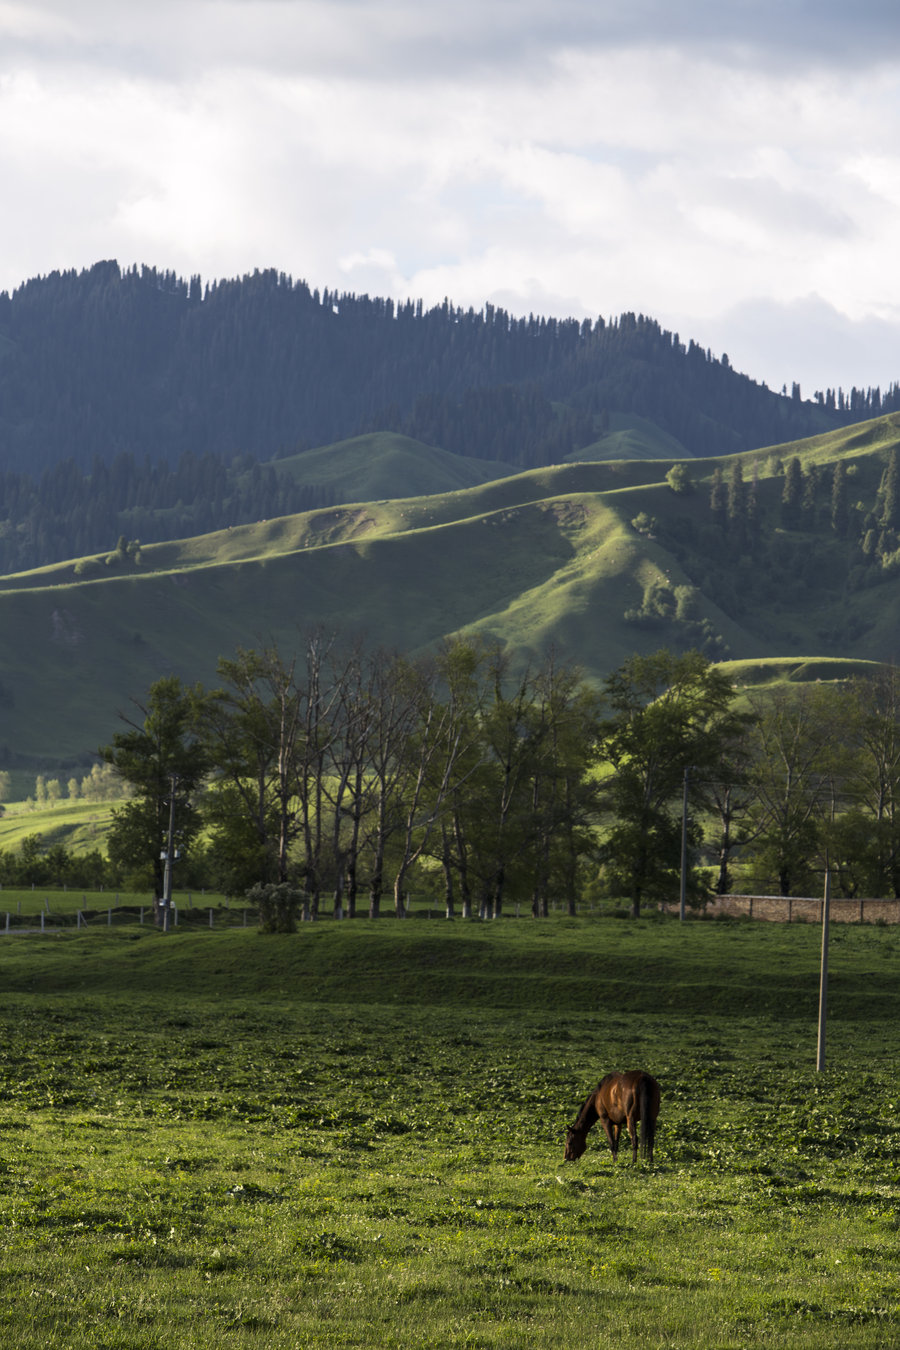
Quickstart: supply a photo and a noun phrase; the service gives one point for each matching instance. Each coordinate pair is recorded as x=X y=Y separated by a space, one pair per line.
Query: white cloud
x=708 y=164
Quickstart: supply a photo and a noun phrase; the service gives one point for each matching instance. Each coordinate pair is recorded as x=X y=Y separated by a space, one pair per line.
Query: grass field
x=353 y=1137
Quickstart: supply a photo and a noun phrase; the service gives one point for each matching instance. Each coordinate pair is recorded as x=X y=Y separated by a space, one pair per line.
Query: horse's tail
x=648 y=1117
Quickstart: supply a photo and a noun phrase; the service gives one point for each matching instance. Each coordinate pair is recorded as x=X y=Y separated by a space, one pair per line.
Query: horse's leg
x=633 y=1131
x=612 y=1134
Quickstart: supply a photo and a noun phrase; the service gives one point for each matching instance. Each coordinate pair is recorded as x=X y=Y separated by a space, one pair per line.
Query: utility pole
x=682 y=907
x=169 y=856
x=823 y=974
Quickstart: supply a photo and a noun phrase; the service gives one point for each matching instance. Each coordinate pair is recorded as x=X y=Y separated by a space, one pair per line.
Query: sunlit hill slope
x=597 y=560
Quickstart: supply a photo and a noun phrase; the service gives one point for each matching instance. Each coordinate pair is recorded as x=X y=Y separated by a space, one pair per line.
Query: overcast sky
x=730 y=167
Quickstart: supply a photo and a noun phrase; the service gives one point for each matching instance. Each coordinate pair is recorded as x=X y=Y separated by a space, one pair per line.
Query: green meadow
x=353 y=1136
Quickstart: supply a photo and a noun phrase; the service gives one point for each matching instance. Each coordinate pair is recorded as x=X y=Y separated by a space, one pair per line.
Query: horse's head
x=576 y=1143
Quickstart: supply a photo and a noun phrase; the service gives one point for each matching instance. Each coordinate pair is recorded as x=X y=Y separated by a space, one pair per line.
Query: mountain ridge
x=111 y=361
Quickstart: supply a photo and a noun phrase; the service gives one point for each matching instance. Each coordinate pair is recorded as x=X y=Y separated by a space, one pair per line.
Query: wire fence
x=54 y=911
x=50 y=920
x=804 y=909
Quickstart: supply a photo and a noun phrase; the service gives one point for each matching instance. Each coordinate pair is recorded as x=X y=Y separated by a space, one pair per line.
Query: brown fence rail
x=802 y=909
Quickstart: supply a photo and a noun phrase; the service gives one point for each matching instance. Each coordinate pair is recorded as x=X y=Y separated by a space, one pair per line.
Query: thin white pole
x=682 y=904
x=823 y=975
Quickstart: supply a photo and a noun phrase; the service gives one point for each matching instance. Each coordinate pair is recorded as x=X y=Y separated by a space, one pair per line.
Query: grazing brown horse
x=619 y=1099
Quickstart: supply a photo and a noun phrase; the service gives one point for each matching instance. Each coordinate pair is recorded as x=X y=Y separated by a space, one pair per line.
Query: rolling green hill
x=597 y=559
x=632 y=437
x=369 y=468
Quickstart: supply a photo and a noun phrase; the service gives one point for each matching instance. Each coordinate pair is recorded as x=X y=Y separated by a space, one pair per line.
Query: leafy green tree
x=809 y=502
x=483 y=841
x=890 y=493
x=250 y=730
x=392 y=695
x=679 y=480
x=162 y=755
x=58 y=864
x=345 y=780
x=687 y=603
x=32 y=864
x=872 y=707
x=727 y=798
x=434 y=757
x=797 y=761
x=319 y=701
x=737 y=496
x=752 y=501
x=566 y=727
x=464 y=667
x=792 y=493
x=500 y=810
x=667 y=713
x=840 y=514
x=269 y=733
x=718 y=497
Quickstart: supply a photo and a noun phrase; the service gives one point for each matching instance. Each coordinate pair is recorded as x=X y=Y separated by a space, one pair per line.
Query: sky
x=729 y=167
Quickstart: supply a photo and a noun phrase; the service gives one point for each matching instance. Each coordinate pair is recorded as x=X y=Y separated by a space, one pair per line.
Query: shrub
x=278 y=906
x=679 y=480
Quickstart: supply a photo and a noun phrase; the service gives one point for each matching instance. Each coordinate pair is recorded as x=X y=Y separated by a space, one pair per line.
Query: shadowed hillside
x=108 y=362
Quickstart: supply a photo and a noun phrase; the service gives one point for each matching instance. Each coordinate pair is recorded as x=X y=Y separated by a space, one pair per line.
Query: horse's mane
x=588 y=1113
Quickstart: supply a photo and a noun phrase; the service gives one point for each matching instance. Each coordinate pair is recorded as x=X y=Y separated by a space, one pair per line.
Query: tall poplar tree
x=668 y=714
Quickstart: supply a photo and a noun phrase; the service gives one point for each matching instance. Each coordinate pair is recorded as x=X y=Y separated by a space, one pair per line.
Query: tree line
x=353 y=776
x=758 y=545
x=138 y=361
x=69 y=511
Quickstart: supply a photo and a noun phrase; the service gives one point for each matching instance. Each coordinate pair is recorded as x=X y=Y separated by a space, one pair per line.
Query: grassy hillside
x=593 y=558
x=370 y=468
x=632 y=437
x=79 y=826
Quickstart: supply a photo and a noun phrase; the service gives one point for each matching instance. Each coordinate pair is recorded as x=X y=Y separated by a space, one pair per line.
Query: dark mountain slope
x=106 y=362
